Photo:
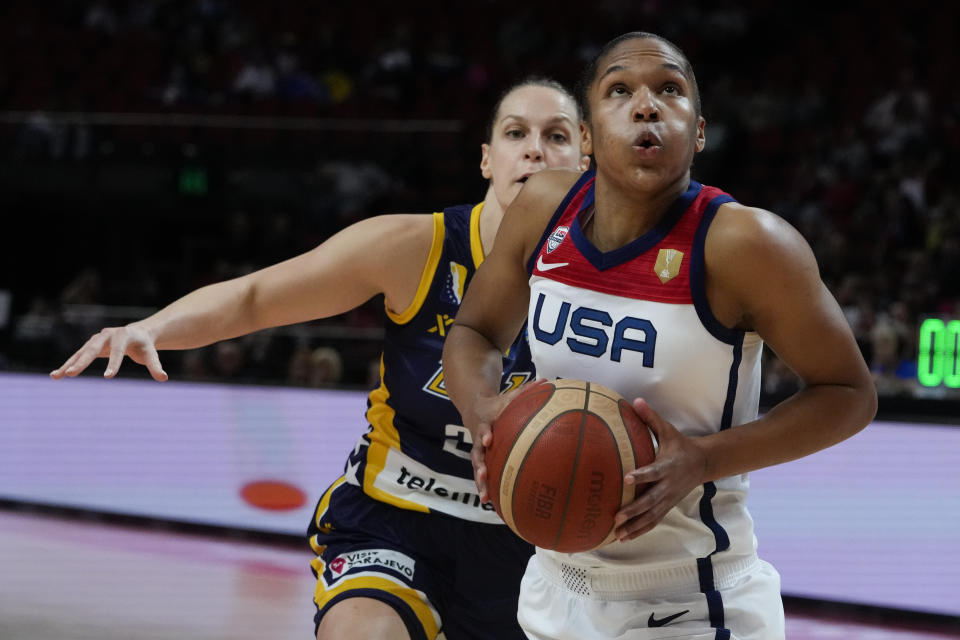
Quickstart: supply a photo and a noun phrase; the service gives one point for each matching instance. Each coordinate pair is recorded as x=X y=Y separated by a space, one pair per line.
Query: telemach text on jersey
x=430 y=485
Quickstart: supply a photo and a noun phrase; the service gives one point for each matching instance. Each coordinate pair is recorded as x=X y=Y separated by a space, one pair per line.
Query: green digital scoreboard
x=938 y=353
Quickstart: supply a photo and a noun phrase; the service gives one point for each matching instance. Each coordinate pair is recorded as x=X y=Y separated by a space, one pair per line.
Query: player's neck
x=490 y=217
x=621 y=217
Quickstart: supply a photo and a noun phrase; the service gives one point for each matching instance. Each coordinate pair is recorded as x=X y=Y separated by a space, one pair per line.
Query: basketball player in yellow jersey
x=404 y=547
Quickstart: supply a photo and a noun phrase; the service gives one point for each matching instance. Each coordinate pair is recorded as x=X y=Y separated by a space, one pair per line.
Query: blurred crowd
x=845 y=122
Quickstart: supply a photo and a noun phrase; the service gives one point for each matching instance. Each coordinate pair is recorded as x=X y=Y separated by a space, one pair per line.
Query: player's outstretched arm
x=379 y=255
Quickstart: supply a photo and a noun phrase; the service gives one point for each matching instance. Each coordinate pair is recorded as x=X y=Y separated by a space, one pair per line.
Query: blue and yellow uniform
x=405 y=524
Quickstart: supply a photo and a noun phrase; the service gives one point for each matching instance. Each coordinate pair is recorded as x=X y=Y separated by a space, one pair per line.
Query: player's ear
x=701 y=134
x=586 y=141
x=485 y=161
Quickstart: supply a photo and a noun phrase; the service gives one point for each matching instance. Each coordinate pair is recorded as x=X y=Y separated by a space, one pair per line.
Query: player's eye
x=515 y=134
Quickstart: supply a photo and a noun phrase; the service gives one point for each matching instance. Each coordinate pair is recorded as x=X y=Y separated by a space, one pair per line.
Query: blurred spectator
x=193 y=365
x=892 y=373
x=901 y=115
x=175 y=90
x=296 y=84
x=314 y=367
x=41 y=136
x=101 y=17
x=85 y=288
x=35 y=332
x=257 y=77
x=5 y=298
x=389 y=76
x=38 y=323
x=299 y=366
x=326 y=367
x=779 y=381
x=229 y=361
x=346 y=189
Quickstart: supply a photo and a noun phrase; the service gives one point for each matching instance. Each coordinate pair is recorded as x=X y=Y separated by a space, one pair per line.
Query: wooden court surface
x=65 y=578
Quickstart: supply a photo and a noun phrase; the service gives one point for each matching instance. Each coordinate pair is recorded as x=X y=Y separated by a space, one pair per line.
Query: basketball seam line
x=576 y=460
x=513 y=445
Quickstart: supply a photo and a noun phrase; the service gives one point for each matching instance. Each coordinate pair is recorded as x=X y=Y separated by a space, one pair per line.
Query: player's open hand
x=680 y=467
x=114 y=343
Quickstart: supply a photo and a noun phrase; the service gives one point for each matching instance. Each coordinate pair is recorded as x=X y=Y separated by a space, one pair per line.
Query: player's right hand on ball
x=114 y=343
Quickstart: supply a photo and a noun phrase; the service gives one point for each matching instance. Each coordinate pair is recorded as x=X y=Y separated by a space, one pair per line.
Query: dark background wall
x=152 y=146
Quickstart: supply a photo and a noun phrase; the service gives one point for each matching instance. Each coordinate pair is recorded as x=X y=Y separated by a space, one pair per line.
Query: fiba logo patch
x=556 y=238
x=455 y=283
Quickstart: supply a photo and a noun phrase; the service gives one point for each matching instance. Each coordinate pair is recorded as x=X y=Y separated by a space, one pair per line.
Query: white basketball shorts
x=558 y=603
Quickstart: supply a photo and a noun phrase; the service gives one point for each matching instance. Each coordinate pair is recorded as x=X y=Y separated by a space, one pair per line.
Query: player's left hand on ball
x=485 y=412
x=680 y=467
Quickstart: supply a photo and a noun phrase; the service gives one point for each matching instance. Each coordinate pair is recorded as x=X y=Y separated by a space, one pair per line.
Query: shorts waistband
x=626 y=582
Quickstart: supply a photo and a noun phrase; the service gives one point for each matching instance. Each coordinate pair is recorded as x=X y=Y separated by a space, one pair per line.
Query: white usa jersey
x=637 y=320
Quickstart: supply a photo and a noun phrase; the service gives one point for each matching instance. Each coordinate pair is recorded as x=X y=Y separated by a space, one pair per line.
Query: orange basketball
x=556 y=464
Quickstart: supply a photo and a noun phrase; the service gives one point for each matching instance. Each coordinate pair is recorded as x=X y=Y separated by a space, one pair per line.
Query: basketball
x=556 y=464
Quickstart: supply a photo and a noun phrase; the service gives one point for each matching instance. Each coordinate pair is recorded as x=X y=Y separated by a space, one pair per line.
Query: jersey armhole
x=476 y=244
x=426 y=278
x=698 y=276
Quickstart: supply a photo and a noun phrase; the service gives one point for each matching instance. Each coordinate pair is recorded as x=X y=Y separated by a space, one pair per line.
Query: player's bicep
x=778 y=284
x=812 y=337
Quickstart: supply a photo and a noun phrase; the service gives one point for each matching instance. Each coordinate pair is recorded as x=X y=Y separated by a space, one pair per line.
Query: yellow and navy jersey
x=416 y=453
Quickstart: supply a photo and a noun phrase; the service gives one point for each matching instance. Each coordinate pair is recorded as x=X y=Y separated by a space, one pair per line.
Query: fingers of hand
x=476 y=455
x=479 y=466
x=66 y=368
x=118 y=347
x=644 y=502
x=649 y=473
x=660 y=427
x=153 y=364
x=637 y=527
x=486 y=436
x=642 y=514
x=482 y=485
x=86 y=354
x=643 y=410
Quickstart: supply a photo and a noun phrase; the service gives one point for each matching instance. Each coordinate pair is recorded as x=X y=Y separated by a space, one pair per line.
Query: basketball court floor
x=71 y=578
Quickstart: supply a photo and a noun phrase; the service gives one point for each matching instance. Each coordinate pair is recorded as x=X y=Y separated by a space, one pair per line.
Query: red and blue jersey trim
x=629 y=271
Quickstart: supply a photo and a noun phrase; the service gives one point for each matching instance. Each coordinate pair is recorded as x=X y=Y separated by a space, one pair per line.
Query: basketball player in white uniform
x=645 y=281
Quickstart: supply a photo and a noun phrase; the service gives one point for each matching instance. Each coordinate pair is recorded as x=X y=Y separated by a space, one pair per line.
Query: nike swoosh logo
x=654 y=622
x=544 y=266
